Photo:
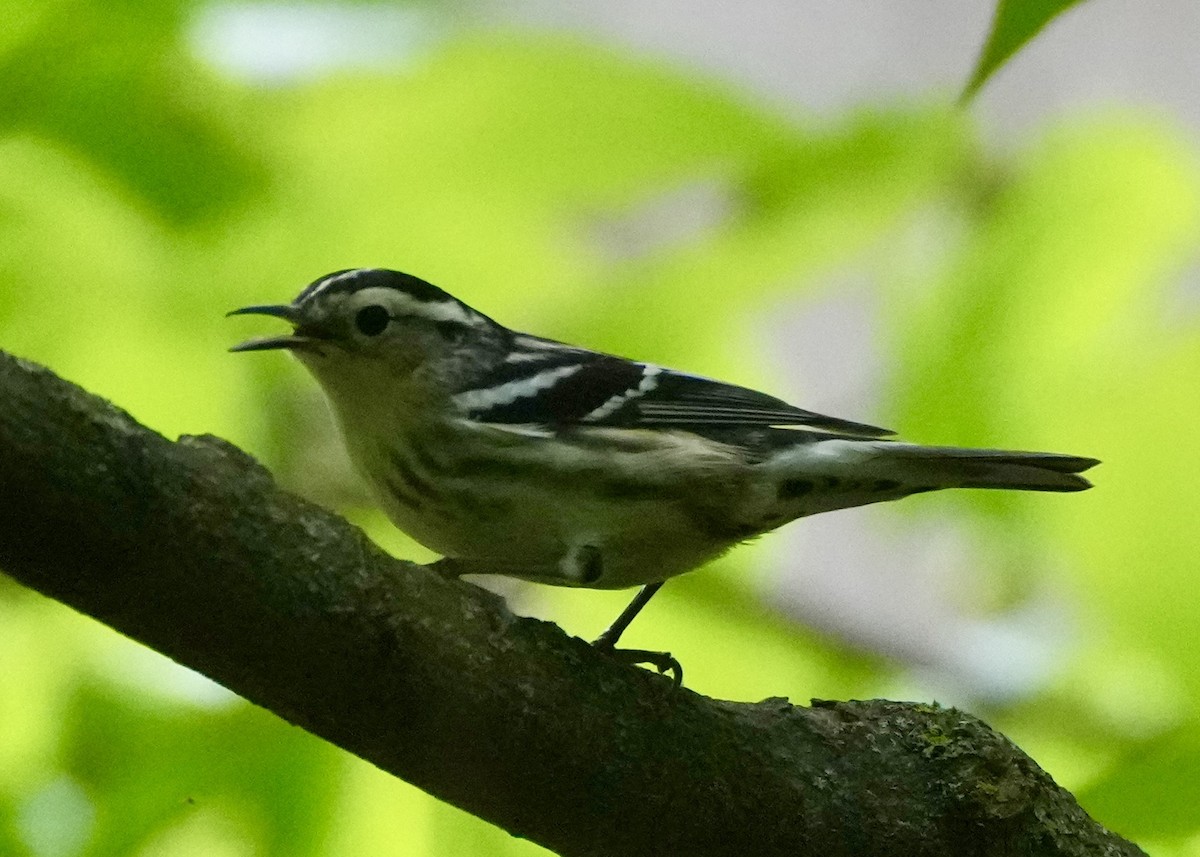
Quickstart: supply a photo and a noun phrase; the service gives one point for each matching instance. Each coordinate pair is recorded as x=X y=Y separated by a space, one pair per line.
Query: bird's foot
x=664 y=662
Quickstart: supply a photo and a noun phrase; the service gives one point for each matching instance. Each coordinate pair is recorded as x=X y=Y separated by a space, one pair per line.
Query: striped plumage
x=515 y=454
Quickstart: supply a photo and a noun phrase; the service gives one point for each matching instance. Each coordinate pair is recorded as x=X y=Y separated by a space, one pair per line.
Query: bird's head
x=371 y=332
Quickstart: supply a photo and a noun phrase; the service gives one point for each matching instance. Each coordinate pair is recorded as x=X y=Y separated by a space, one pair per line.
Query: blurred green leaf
x=130 y=97
x=1051 y=329
x=149 y=766
x=1153 y=791
x=1066 y=261
x=1015 y=23
x=810 y=203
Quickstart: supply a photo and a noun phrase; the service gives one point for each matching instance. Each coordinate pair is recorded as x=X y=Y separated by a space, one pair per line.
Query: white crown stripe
x=509 y=392
x=329 y=281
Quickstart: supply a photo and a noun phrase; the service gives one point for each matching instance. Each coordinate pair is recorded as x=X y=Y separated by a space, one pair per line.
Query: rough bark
x=191 y=548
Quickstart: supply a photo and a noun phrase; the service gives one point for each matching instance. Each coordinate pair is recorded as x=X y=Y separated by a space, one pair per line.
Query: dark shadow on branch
x=190 y=548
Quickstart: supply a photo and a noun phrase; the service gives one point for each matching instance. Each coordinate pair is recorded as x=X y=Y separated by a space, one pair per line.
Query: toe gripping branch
x=664 y=662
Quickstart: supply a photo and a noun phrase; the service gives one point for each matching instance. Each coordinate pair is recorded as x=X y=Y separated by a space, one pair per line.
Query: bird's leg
x=606 y=642
x=587 y=564
x=613 y=632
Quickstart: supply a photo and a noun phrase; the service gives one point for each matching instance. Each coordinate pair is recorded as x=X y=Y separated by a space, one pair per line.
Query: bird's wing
x=546 y=383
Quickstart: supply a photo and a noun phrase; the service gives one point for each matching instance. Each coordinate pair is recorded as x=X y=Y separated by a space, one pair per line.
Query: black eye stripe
x=450 y=329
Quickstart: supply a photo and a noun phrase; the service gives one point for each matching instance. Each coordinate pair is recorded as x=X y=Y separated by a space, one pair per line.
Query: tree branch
x=190 y=548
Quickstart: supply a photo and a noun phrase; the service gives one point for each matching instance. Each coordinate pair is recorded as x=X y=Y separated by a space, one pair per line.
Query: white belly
x=533 y=523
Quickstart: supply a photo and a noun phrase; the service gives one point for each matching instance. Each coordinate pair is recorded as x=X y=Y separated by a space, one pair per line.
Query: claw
x=664 y=662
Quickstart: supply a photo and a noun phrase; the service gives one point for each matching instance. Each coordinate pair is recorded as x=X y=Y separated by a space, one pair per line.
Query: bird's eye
x=372 y=320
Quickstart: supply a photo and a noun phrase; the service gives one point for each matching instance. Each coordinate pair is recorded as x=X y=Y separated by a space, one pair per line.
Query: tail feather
x=953 y=467
x=823 y=475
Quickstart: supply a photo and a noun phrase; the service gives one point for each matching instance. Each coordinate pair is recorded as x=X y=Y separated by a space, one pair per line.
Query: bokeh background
x=779 y=193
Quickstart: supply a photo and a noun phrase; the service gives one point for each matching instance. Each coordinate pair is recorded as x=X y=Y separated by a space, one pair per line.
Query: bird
x=513 y=454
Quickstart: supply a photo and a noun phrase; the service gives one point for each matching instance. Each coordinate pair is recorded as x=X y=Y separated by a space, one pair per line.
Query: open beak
x=264 y=343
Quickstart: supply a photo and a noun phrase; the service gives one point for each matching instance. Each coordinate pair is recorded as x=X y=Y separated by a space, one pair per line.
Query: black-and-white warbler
x=512 y=454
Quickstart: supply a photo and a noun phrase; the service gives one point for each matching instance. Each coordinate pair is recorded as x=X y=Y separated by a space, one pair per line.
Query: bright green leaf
x=1016 y=22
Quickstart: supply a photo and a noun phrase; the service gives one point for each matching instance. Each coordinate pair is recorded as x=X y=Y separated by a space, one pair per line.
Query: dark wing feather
x=559 y=391
x=681 y=399
x=553 y=384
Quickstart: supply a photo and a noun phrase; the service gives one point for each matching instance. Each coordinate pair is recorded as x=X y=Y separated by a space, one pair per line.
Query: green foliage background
x=1031 y=298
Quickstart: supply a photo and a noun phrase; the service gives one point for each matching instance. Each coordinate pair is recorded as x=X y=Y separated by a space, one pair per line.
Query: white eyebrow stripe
x=534 y=343
x=527 y=349
x=447 y=310
x=402 y=303
x=507 y=393
x=649 y=381
x=524 y=357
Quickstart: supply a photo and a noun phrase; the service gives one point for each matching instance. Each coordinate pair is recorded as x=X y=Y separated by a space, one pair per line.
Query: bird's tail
x=843 y=472
x=953 y=467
